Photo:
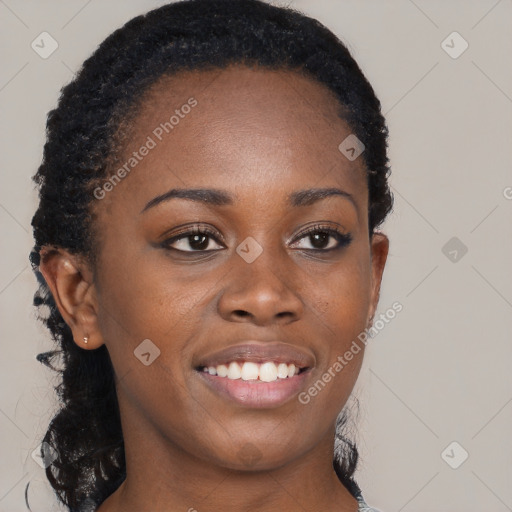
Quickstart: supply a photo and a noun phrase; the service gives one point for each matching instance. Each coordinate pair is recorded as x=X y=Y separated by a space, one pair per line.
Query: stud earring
x=86 y=339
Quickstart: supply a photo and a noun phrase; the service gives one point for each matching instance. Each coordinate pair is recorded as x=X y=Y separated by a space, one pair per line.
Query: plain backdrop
x=436 y=383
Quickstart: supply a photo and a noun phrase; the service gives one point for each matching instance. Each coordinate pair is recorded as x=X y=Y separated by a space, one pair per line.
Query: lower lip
x=255 y=393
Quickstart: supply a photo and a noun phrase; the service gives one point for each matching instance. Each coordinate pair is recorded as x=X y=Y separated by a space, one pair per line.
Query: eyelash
x=343 y=239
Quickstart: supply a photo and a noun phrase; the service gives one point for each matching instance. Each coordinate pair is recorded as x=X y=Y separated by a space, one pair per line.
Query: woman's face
x=250 y=285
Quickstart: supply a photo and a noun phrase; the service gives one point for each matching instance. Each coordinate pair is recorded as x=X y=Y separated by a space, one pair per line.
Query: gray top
x=363 y=507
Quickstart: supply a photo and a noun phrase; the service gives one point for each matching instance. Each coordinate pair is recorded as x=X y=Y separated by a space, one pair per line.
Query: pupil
x=199 y=242
x=324 y=237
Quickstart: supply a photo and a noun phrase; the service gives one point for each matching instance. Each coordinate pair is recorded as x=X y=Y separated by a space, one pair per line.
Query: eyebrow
x=220 y=198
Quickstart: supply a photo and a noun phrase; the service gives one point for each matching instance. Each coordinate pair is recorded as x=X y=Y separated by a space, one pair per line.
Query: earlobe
x=72 y=288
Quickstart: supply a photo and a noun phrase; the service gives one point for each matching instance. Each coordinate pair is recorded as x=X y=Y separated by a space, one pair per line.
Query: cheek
x=143 y=298
x=152 y=304
x=340 y=304
x=341 y=297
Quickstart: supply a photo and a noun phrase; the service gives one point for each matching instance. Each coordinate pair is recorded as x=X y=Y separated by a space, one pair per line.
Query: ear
x=70 y=280
x=379 y=254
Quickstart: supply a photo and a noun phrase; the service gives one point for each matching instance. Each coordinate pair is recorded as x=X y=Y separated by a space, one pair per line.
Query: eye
x=199 y=239
x=195 y=239
x=324 y=238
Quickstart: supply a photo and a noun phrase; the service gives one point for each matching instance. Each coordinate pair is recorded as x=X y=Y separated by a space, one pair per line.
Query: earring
x=86 y=339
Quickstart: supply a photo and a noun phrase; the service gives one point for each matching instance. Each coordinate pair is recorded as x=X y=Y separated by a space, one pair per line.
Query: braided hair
x=83 y=135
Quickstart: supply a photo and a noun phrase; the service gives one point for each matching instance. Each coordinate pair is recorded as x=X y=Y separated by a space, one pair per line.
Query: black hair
x=82 y=139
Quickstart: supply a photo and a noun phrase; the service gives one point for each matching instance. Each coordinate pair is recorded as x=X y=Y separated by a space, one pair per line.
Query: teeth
x=234 y=371
x=282 y=371
x=222 y=370
x=268 y=372
x=248 y=370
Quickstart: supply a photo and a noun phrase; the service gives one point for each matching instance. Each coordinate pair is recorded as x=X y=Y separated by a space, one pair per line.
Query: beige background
x=440 y=371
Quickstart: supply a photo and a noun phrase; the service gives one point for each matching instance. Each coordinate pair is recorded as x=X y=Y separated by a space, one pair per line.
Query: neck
x=162 y=477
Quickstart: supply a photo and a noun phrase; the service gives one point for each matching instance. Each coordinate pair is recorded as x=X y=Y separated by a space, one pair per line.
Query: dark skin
x=257 y=135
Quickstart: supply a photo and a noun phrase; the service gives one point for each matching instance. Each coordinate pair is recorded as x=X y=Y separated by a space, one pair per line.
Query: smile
x=268 y=371
x=256 y=374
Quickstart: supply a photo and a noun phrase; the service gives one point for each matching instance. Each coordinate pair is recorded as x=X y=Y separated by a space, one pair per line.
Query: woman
x=210 y=193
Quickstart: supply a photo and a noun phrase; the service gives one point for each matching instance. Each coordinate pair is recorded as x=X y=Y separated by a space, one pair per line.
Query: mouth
x=255 y=374
x=267 y=371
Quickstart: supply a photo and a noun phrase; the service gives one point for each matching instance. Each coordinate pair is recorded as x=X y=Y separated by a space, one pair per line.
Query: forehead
x=239 y=126
x=239 y=85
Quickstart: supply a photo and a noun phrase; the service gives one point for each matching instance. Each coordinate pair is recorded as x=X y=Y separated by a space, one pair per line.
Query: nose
x=261 y=292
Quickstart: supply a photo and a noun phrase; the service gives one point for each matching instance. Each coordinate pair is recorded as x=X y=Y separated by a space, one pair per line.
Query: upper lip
x=259 y=352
